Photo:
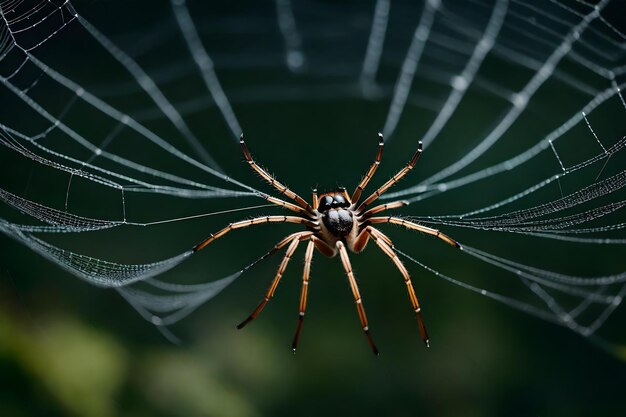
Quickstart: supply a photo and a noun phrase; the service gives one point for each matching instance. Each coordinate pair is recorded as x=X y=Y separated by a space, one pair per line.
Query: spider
x=335 y=221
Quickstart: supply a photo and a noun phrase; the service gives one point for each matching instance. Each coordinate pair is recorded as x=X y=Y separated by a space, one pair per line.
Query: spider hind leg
x=384 y=243
x=296 y=238
x=308 y=257
x=357 y=296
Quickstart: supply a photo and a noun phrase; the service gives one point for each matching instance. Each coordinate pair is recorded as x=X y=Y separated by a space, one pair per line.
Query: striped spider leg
x=334 y=222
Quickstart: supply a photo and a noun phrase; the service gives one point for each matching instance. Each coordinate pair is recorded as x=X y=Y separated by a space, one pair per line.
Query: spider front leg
x=343 y=253
x=384 y=243
x=258 y=220
x=271 y=180
x=369 y=200
x=370 y=173
x=298 y=237
x=285 y=204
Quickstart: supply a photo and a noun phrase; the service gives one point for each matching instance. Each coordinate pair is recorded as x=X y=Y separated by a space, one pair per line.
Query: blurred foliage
x=79 y=368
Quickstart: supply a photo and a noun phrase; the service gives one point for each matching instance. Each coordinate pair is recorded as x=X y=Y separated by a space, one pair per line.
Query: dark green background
x=67 y=348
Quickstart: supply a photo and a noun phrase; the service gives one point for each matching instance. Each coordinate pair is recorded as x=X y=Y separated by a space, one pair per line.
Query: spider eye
x=325 y=203
x=338 y=201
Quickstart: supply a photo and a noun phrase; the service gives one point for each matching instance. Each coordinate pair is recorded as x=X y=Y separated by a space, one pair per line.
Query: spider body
x=337 y=217
x=333 y=222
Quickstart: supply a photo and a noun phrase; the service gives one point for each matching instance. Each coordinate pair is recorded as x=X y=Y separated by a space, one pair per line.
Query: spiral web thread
x=569 y=46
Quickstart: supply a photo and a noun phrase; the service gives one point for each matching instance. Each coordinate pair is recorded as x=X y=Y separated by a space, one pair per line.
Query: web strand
x=142 y=131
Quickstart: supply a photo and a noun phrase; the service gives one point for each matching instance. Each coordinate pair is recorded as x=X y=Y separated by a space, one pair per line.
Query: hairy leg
x=355 y=292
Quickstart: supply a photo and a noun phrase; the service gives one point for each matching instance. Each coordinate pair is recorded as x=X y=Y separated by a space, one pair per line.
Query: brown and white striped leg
x=314 y=199
x=281 y=270
x=383 y=207
x=414 y=226
x=271 y=180
x=369 y=200
x=382 y=241
x=323 y=247
x=362 y=238
x=276 y=248
x=370 y=173
x=246 y=223
x=284 y=204
x=343 y=253
x=288 y=239
x=308 y=257
x=360 y=241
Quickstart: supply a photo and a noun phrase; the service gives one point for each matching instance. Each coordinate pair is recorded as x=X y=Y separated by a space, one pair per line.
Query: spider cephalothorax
x=337 y=217
x=335 y=220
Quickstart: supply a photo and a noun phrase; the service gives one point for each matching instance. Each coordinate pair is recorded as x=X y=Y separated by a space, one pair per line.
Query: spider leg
x=271 y=181
x=288 y=239
x=355 y=292
x=383 y=207
x=314 y=199
x=392 y=181
x=323 y=247
x=281 y=270
x=308 y=257
x=360 y=241
x=370 y=173
x=275 y=249
x=285 y=204
x=258 y=220
x=414 y=226
x=384 y=243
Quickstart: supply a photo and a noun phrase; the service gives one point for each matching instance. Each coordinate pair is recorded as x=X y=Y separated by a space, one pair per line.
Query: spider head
x=334 y=208
x=333 y=200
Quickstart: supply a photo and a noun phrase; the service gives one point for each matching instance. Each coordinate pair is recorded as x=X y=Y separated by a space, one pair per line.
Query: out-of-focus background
x=310 y=83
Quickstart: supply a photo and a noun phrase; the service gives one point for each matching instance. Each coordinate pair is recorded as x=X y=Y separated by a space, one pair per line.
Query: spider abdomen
x=339 y=222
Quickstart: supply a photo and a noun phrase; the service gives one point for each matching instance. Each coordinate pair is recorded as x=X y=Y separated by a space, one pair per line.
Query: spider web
x=111 y=125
